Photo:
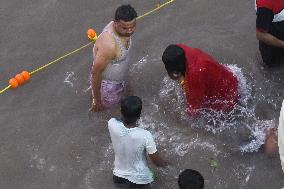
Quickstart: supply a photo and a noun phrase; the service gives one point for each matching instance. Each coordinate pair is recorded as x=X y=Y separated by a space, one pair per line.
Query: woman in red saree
x=207 y=84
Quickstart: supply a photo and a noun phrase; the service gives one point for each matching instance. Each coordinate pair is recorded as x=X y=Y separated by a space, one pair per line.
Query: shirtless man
x=111 y=53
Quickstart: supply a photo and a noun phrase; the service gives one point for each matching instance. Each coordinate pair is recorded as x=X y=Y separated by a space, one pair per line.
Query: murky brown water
x=47 y=138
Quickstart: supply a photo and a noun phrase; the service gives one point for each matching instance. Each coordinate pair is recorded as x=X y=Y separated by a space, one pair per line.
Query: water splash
x=258 y=135
x=242 y=116
x=137 y=66
x=174 y=141
x=243 y=173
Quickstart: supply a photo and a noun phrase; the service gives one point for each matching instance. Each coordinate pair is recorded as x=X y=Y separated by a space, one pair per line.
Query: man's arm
x=264 y=21
x=158 y=160
x=153 y=153
x=269 y=39
x=104 y=54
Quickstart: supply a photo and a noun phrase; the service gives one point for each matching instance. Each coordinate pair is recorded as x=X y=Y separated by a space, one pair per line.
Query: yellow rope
x=159 y=7
x=60 y=58
x=84 y=46
x=5 y=89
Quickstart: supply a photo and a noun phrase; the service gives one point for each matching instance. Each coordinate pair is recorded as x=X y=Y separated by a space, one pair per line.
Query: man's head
x=174 y=60
x=190 y=179
x=131 y=107
x=125 y=20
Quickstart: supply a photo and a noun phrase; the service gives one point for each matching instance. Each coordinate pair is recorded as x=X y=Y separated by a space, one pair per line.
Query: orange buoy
x=91 y=33
x=14 y=83
x=26 y=75
x=20 y=79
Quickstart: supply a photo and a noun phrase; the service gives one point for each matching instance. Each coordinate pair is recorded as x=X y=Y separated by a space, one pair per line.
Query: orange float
x=14 y=83
x=20 y=79
x=26 y=75
x=91 y=33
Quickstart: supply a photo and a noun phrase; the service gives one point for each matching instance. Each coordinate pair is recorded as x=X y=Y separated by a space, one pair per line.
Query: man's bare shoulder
x=105 y=48
x=106 y=42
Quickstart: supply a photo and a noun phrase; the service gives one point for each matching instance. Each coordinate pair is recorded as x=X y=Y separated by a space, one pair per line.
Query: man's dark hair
x=131 y=107
x=174 y=59
x=190 y=179
x=125 y=13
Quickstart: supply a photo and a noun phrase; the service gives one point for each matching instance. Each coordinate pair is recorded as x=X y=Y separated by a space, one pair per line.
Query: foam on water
x=243 y=173
x=37 y=162
x=70 y=78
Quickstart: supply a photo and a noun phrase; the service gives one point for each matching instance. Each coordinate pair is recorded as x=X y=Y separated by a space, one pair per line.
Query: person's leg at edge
x=270 y=55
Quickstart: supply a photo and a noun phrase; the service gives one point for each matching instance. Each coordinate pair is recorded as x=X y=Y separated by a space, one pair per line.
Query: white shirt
x=281 y=136
x=130 y=147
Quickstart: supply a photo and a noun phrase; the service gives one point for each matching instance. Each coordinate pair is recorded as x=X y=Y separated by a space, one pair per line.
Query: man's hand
x=96 y=105
x=158 y=160
x=269 y=39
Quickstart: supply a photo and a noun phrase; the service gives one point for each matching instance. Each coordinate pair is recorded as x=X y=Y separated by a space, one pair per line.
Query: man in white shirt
x=131 y=145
